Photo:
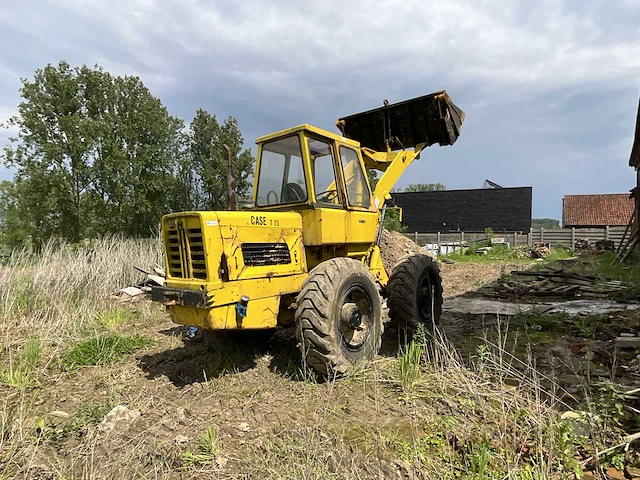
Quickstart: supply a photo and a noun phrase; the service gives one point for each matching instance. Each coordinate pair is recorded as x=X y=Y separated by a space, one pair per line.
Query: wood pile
x=560 y=283
x=537 y=250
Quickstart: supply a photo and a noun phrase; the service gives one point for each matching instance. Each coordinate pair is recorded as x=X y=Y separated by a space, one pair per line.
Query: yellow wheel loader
x=307 y=251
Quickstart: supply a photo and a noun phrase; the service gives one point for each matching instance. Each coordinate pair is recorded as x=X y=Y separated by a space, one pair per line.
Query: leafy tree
x=94 y=154
x=392 y=221
x=205 y=170
x=373 y=178
x=12 y=233
x=545 y=223
x=424 y=187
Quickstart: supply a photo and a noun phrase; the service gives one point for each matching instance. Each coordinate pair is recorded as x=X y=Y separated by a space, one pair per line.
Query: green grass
x=115 y=317
x=603 y=267
x=409 y=366
x=206 y=452
x=104 y=350
x=503 y=254
x=18 y=370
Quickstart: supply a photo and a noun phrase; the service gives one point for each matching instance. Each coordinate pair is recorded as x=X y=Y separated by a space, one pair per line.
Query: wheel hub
x=351 y=315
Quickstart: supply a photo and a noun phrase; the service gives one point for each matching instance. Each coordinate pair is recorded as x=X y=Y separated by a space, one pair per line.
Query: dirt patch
x=463 y=278
x=394 y=246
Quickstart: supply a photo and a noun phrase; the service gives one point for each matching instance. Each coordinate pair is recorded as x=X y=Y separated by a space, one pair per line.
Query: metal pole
x=231 y=182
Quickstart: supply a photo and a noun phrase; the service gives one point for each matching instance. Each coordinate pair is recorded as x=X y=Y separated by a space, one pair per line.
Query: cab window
x=358 y=193
x=324 y=175
x=281 y=176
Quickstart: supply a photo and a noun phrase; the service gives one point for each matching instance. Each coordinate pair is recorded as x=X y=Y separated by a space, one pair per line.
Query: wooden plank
x=628 y=342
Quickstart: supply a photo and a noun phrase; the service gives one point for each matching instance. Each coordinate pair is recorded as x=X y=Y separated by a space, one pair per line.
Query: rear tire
x=339 y=317
x=415 y=294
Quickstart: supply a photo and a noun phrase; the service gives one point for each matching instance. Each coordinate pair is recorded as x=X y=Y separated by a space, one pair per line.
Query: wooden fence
x=555 y=236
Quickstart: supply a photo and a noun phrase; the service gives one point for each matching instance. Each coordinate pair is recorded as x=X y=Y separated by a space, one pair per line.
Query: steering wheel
x=292 y=192
x=275 y=194
x=329 y=195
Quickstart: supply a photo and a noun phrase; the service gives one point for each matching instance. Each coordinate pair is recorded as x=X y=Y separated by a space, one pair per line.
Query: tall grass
x=54 y=293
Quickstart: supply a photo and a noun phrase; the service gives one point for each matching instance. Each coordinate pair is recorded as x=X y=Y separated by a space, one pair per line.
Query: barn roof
x=597 y=210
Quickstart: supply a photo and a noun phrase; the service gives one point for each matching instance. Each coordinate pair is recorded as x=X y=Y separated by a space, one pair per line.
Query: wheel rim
x=356 y=316
x=425 y=297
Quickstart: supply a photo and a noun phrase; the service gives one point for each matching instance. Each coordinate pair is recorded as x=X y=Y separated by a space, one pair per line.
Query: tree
x=373 y=178
x=12 y=233
x=424 y=187
x=205 y=170
x=392 y=221
x=545 y=223
x=94 y=154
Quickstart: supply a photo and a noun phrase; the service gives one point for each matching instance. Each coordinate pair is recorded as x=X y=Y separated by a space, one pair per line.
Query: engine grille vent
x=185 y=251
x=259 y=254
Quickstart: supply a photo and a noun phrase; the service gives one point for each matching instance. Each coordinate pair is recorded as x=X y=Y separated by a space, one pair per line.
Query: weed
x=610 y=403
x=104 y=350
x=89 y=414
x=476 y=459
x=409 y=366
x=414 y=452
x=114 y=317
x=18 y=371
x=206 y=451
x=563 y=442
x=221 y=365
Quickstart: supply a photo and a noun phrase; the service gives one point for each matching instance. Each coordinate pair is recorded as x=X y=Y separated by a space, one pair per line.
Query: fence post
x=415 y=237
x=515 y=239
x=606 y=232
x=438 y=238
x=530 y=236
x=573 y=239
x=541 y=234
x=462 y=237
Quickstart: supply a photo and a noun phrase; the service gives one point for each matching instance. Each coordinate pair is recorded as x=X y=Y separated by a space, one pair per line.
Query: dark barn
x=501 y=209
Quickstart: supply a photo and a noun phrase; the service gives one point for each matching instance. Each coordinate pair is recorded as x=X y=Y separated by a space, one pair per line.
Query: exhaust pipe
x=231 y=182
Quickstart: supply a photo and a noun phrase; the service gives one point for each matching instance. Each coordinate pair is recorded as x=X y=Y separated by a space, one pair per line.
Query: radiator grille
x=185 y=252
x=259 y=254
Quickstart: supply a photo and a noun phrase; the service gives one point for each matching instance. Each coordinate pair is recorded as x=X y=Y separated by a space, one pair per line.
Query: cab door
x=362 y=216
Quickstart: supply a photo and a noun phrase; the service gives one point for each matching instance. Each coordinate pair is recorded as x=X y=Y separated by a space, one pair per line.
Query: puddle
x=480 y=306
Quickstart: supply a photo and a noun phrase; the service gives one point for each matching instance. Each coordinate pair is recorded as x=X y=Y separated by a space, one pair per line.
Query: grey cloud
x=549 y=87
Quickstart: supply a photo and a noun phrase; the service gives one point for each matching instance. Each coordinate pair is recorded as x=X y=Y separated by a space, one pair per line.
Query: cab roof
x=308 y=128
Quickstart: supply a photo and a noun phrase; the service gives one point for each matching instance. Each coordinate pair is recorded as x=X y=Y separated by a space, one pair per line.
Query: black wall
x=502 y=209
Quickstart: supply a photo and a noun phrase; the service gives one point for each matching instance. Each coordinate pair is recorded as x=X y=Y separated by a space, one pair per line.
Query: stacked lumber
x=561 y=283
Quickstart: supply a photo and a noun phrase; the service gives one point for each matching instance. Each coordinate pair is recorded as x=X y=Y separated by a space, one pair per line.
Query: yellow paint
x=204 y=249
x=261 y=313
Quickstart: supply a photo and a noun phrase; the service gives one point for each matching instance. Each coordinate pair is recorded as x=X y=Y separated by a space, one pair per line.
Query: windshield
x=281 y=176
x=357 y=190
x=324 y=175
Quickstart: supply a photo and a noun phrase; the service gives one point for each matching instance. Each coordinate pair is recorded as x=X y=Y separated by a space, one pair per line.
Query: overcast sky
x=550 y=88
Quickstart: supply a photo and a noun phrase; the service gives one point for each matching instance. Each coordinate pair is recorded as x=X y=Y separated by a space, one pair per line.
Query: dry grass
x=55 y=294
x=252 y=412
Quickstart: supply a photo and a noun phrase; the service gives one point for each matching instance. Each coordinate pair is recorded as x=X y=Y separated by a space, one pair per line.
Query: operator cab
x=308 y=167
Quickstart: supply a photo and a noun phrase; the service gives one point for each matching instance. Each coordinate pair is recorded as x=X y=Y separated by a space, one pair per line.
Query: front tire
x=339 y=317
x=415 y=294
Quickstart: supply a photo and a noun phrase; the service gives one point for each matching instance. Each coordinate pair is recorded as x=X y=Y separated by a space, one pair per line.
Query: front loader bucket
x=429 y=119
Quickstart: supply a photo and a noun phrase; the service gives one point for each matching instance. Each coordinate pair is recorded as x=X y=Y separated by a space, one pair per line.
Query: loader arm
x=392 y=164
